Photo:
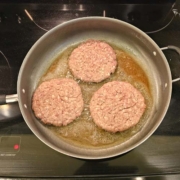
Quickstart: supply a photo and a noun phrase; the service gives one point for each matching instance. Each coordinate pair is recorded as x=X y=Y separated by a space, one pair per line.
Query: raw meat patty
x=117 y=106
x=92 y=61
x=58 y=101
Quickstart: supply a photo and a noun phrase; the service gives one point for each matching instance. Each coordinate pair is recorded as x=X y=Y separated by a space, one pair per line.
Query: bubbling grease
x=83 y=131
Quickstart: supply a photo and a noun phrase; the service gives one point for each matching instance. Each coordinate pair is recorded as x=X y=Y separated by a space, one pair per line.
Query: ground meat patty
x=57 y=101
x=117 y=106
x=92 y=61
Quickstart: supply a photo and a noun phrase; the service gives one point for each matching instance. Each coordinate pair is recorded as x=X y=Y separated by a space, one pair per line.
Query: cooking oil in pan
x=83 y=131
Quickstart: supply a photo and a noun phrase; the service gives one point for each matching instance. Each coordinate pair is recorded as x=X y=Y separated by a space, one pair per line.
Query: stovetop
x=24 y=155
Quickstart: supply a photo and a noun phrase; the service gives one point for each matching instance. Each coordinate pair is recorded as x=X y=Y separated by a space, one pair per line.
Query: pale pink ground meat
x=117 y=106
x=58 y=101
x=92 y=61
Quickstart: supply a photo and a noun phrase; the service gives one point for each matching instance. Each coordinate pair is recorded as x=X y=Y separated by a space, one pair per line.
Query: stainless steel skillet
x=122 y=34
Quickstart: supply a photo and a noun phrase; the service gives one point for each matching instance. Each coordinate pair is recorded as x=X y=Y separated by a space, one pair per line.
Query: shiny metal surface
x=121 y=34
x=176 y=49
x=11 y=98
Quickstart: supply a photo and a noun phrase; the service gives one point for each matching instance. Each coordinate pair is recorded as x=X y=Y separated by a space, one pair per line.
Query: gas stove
x=22 y=154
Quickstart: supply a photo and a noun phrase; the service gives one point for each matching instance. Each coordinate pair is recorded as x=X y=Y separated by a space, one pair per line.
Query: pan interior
x=116 y=32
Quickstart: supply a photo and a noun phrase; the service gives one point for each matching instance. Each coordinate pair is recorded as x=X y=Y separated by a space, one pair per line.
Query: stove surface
x=22 y=154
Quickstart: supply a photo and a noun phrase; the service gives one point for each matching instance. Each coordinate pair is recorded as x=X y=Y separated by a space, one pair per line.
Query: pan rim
x=93 y=18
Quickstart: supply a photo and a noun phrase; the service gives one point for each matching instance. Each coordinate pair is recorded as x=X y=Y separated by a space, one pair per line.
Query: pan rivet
x=25 y=106
x=154 y=53
x=165 y=85
x=23 y=90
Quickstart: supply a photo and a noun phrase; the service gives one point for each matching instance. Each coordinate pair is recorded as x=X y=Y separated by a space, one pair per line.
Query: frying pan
x=117 y=32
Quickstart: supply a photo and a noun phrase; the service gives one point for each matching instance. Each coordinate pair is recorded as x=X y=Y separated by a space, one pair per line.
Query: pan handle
x=174 y=48
x=6 y=99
